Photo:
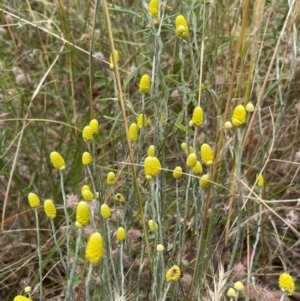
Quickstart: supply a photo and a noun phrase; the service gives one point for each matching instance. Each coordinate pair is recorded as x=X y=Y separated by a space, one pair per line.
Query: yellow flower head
x=153 y=226
x=87 y=195
x=85 y=187
x=105 y=211
x=239 y=286
x=27 y=289
x=153 y=8
x=133 y=132
x=177 y=172
x=87 y=158
x=87 y=134
x=145 y=84
x=197 y=169
x=142 y=121
x=111 y=178
x=120 y=198
x=151 y=151
x=152 y=166
x=207 y=155
x=183 y=148
x=250 y=107
x=34 y=200
x=83 y=214
x=121 y=234
x=173 y=274
x=160 y=248
x=50 y=209
x=204 y=181
x=57 y=161
x=286 y=283
x=231 y=293
x=228 y=125
x=94 y=248
x=182 y=29
x=94 y=125
x=191 y=160
x=238 y=116
x=260 y=180
x=111 y=59
x=22 y=298
x=197 y=116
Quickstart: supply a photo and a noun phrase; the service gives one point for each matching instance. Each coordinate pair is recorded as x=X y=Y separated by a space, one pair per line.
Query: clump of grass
x=163 y=143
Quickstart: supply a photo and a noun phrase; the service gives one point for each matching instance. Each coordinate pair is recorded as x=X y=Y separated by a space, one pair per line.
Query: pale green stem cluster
x=39 y=252
x=69 y=295
x=67 y=220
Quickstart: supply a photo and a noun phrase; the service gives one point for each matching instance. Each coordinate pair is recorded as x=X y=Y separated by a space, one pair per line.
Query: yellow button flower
x=183 y=147
x=286 y=283
x=239 y=286
x=133 y=132
x=34 y=200
x=94 y=248
x=197 y=169
x=87 y=158
x=50 y=209
x=145 y=84
x=153 y=8
x=207 y=155
x=177 y=172
x=57 y=161
x=197 y=116
x=231 y=293
x=87 y=195
x=152 y=167
x=105 y=211
x=94 y=125
x=111 y=178
x=87 y=134
x=239 y=116
x=83 y=214
x=173 y=274
x=120 y=198
x=153 y=226
x=191 y=160
x=204 y=181
x=121 y=234
x=182 y=29
x=142 y=121
x=151 y=151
